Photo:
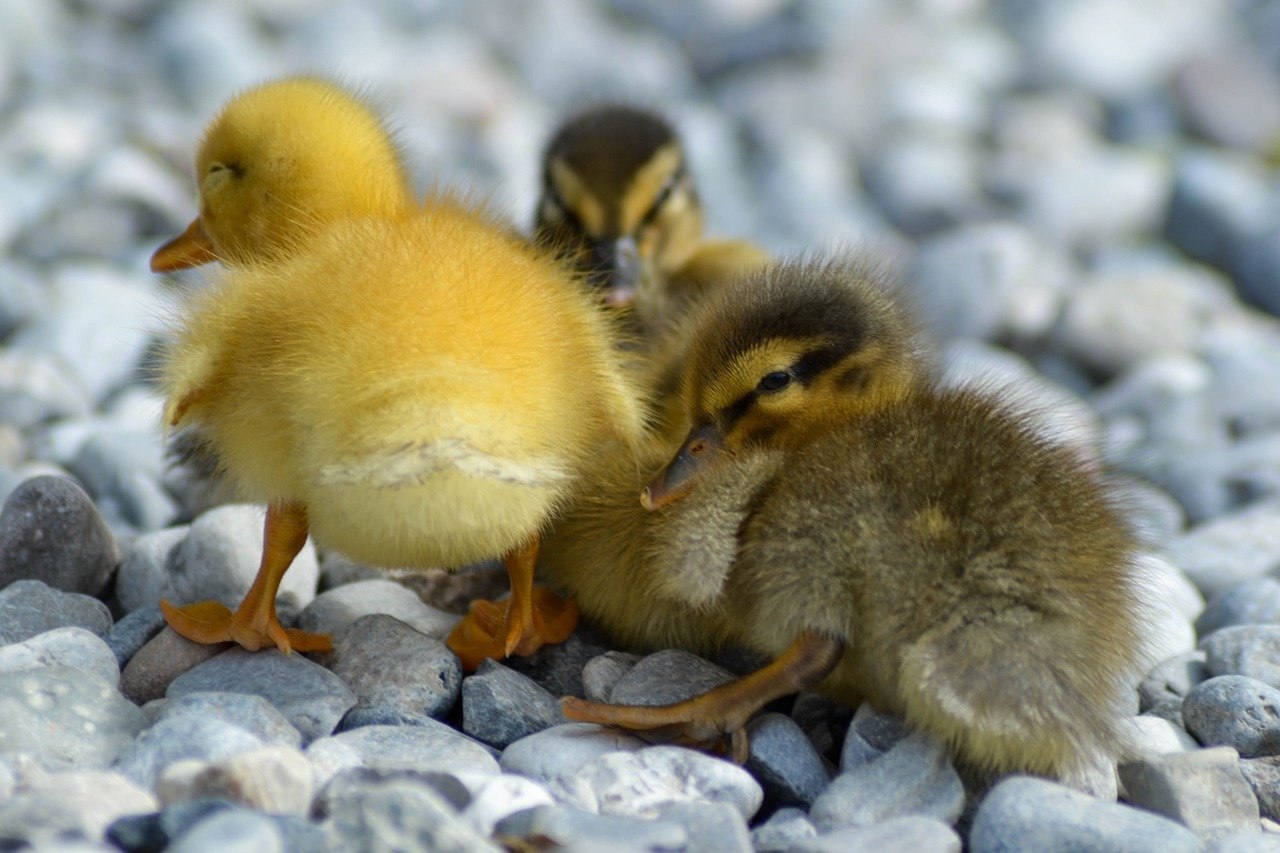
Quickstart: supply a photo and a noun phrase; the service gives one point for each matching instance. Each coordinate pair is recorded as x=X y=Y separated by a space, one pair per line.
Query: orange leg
x=529 y=619
x=705 y=720
x=254 y=624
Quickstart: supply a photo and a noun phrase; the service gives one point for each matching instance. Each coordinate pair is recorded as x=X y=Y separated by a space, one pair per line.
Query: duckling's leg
x=254 y=624
x=705 y=720
x=529 y=619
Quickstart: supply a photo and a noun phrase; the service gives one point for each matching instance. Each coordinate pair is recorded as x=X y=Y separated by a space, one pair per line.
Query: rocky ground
x=1082 y=195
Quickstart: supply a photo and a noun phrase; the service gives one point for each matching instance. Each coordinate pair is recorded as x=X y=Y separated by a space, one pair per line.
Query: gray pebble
x=570 y=828
x=1252 y=650
x=896 y=835
x=555 y=755
x=871 y=734
x=641 y=783
x=233 y=831
x=398 y=674
x=144 y=569
x=400 y=816
x=274 y=779
x=51 y=531
x=97 y=797
x=179 y=737
x=70 y=647
x=924 y=182
x=252 y=713
x=161 y=659
x=1227 y=551
x=311 y=697
x=1153 y=735
x=34 y=390
x=1250 y=603
x=1172 y=679
x=332 y=611
x=603 y=671
x=128 y=635
x=1267 y=841
x=1263 y=776
x=914 y=778
x=1219 y=198
x=823 y=720
x=1023 y=813
x=784 y=761
x=428 y=746
x=1255 y=269
x=1235 y=711
x=30 y=607
x=500 y=706
x=495 y=798
x=558 y=669
x=711 y=827
x=784 y=828
x=219 y=557
x=122 y=469
x=666 y=677
x=1232 y=97
x=42 y=822
x=1202 y=790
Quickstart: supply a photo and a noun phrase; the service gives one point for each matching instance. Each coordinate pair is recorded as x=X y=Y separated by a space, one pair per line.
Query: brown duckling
x=880 y=537
x=617 y=195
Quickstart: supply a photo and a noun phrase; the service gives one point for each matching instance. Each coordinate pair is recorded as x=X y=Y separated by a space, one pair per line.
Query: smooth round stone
x=67 y=718
x=1235 y=711
x=1244 y=357
x=1202 y=790
x=161 y=659
x=784 y=828
x=713 y=827
x=1023 y=813
x=667 y=677
x=127 y=636
x=1263 y=776
x=555 y=755
x=252 y=713
x=1255 y=602
x=429 y=746
x=43 y=823
x=74 y=648
x=178 y=738
x=871 y=734
x=273 y=779
x=122 y=469
x=21 y=296
x=924 y=182
x=900 y=833
x=332 y=611
x=1233 y=98
x=1219 y=198
x=914 y=778
x=603 y=671
x=219 y=559
x=558 y=669
x=51 y=531
x=988 y=281
x=400 y=816
x=144 y=568
x=498 y=797
x=1227 y=551
x=34 y=390
x=1154 y=513
x=500 y=706
x=1250 y=650
x=29 y=607
x=784 y=761
x=396 y=672
x=1158 y=736
x=98 y=798
x=1172 y=679
x=311 y=697
x=233 y=831
x=1255 y=269
x=641 y=783
x=571 y=828
x=823 y=720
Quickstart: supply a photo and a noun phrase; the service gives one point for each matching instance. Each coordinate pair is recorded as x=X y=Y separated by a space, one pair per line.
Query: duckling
x=413 y=385
x=880 y=537
x=277 y=164
x=617 y=195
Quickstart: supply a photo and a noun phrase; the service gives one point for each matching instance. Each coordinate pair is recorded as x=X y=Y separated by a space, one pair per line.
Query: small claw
x=212 y=622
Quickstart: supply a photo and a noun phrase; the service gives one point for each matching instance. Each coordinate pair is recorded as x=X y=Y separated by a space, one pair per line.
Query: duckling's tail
x=1012 y=688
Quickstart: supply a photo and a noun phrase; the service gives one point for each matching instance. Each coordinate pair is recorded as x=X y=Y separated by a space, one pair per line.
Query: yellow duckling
x=882 y=538
x=618 y=197
x=414 y=385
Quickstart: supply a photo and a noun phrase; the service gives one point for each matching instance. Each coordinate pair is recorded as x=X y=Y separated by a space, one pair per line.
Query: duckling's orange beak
x=680 y=475
x=191 y=248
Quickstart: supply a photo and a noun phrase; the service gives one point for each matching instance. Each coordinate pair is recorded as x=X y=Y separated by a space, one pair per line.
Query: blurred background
x=1082 y=193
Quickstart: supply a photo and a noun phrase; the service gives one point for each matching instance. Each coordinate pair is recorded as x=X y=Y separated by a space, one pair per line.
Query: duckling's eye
x=216 y=167
x=664 y=195
x=775 y=381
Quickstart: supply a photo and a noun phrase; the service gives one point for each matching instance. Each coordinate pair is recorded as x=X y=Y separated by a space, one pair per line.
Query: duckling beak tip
x=191 y=248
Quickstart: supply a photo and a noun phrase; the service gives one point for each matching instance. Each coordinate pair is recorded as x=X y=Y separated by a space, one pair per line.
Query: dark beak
x=681 y=473
x=615 y=265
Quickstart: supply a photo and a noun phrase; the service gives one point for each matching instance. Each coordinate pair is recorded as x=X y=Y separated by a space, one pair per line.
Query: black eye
x=775 y=381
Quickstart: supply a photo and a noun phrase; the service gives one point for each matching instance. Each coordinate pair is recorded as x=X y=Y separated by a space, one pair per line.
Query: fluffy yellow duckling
x=882 y=538
x=415 y=386
x=617 y=196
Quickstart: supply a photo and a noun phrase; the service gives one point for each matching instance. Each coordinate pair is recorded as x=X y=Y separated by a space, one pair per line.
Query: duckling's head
x=781 y=357
x=616 y=194
x=280 y=161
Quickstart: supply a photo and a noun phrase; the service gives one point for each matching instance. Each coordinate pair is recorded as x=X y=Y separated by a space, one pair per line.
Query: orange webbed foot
x=212 y=622
x=697 y=723
x=498 y=629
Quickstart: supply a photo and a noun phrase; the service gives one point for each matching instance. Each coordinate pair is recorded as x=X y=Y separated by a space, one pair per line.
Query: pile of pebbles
x=1081 y=194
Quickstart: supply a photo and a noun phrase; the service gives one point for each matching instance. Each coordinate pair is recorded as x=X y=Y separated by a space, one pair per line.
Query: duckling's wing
x=415 y=463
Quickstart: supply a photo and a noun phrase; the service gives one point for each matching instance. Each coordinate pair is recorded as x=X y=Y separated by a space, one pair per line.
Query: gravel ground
x=1082 y=194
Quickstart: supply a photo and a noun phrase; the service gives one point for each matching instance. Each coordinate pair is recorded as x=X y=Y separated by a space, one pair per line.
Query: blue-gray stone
x=713 y=827
x=122 y=470
x=396 y=672
x=51 y=531
x=1256 y=270
x=602 y=672
x=870 y=735
x=1255 y=602
x=896 y=835
x=400 y=815
x=428 y=746
x=914 y=778
x=30 y=607
x=71 y=647
x=161 y=659
x=1219 y=199
x=334 y=610
x=558 y=668
x=1263 y=776
x=1203 y=790
x=500 y=706
x=1235 y=711
x=1252 y=650
x=666 y=677
x=555 y=755
x=133 y=631
x=311 y=697
x=784 y=828
x=232 y=831
x=1024 y=813
x=252 y=713
x=144 y=569
x=570 y=828
x=783 y=760
x=182 y=737
x=1172 y=680
x=1231 y=549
